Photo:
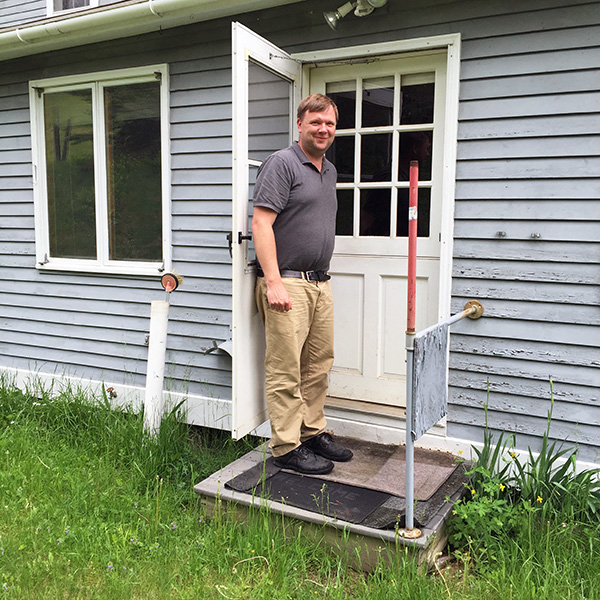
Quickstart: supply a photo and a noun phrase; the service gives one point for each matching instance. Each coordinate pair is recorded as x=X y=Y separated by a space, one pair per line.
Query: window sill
x=130 y=268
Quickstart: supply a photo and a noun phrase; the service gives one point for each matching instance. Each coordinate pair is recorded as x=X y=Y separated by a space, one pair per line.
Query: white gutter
x=119 y=20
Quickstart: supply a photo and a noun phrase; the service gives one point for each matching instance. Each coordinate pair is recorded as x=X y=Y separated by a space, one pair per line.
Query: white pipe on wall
x=155 y=374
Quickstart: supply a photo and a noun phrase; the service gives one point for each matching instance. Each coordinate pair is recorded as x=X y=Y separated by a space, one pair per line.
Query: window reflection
x=345 y=213
x=423 y=212
x=133 y=162
x=70 y=174
x=416 y=104
x=375 y=212
x=376 y=157
x=378 y=102
x=343 y=93
x=341 y=154
x=415 y=145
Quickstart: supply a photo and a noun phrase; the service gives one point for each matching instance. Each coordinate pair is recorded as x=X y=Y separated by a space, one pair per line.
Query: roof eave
x=117 y=21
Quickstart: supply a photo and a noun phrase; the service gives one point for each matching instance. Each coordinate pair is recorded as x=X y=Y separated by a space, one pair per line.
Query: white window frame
x=50 y=10
x=97 y=81
x=451 y=43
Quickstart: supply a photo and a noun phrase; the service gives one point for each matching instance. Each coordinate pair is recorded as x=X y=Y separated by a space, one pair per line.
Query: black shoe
x=304 y=460
x=323 y=445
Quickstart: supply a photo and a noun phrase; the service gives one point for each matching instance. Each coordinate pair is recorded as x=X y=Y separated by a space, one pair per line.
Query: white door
x=391 y=112
x=266 y=89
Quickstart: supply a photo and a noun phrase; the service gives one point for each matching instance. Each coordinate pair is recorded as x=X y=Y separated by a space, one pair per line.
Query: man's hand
x=266 y=252
x=278 y=297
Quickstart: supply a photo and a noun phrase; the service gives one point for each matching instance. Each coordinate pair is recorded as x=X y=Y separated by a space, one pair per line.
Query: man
x=293 y=228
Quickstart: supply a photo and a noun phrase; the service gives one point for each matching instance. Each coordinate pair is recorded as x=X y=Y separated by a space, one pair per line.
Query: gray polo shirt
x=306 y=204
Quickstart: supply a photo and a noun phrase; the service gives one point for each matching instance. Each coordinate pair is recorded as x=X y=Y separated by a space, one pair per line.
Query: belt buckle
x=310 y=275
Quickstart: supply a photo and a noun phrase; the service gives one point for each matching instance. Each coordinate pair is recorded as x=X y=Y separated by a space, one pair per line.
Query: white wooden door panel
x=265 y=91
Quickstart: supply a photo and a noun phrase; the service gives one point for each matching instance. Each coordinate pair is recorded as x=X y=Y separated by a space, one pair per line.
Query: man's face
x=317 y=130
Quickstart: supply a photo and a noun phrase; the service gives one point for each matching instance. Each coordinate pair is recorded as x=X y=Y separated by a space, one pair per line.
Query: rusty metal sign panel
x=430 y=367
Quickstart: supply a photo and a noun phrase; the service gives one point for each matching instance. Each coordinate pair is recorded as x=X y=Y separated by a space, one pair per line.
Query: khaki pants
x=299 y=356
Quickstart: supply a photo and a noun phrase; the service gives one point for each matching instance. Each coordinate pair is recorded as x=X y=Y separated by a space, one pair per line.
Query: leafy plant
x=550 y=479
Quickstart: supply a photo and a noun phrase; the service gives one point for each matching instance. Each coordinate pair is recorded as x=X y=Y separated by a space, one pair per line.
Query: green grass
x=92 y=508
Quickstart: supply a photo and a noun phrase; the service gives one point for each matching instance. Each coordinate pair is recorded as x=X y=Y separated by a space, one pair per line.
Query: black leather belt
x=308 y=275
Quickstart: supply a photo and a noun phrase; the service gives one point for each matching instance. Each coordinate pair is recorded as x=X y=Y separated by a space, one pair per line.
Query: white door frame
x=450 y=43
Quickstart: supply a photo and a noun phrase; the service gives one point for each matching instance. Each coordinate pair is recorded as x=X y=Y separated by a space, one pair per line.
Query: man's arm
x=266 y=252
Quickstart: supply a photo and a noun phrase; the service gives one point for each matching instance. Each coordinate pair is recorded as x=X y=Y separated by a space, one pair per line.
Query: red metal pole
x=412 y=245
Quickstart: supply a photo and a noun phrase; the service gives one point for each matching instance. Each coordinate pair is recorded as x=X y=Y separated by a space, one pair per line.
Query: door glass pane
x=133 y=163
x=345 y=213
x=70 y=174
x=341 y=154
x=375 y=212
x=250 y=251
x=415 y=145
x=423 y=212
x=269 y=104
x=416 y=104
x=376 y=157
x=343 y=93
x=378 y=102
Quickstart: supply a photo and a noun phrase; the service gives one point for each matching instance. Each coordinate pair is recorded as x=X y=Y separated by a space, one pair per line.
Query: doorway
x=392 y=111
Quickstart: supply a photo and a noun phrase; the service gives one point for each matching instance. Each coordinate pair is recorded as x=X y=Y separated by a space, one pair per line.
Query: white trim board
x=204 y=411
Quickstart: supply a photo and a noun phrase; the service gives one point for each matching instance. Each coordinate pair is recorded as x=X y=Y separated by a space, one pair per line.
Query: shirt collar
x=305 y=160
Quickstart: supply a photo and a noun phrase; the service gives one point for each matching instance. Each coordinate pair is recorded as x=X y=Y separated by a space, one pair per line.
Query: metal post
x=409 y=528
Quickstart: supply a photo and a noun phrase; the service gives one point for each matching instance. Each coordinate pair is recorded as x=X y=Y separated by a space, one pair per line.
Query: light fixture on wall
x=362 y=8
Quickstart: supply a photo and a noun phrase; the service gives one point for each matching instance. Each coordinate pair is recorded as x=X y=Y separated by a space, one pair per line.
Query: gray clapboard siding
x=587 y=452
x=567 y=412
x=530 y=272
x=527 y=163
x=540 y=210
x=584 y=231
x=528 y=97
x=513 y=389
x=17 y=12
x=520 y=85
x=501 y=307
x=526 y=291
x=551 y=351
x=530 y=127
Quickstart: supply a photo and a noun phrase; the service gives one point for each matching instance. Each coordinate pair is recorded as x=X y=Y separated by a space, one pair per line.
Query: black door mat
x=376 y=509
x=251 y=478
x=336 y=500
x=391 y=513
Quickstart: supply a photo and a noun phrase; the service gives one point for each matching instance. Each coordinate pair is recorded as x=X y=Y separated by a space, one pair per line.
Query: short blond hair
x=317 y=103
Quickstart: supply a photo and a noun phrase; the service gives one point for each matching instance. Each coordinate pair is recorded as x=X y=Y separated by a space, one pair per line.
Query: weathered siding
x=527 y=228
x=17 y=12
x=21 y=12
x=528 y=163
x=94 y=326
x=527 y=215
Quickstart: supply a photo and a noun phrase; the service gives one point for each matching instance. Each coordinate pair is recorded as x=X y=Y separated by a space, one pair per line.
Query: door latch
x=240 y=239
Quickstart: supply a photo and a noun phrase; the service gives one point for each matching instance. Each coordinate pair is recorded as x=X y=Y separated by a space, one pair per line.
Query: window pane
x=69 y=4
x=343 y=93
x=133 y=160
x=269 y=101
x=415 y=145
x=341 y=154
x=378 y=102
x=376 y=157
x=423 y=212
x=70 y=174
x=375 y=211
x=417 y=104
x=345 y=213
